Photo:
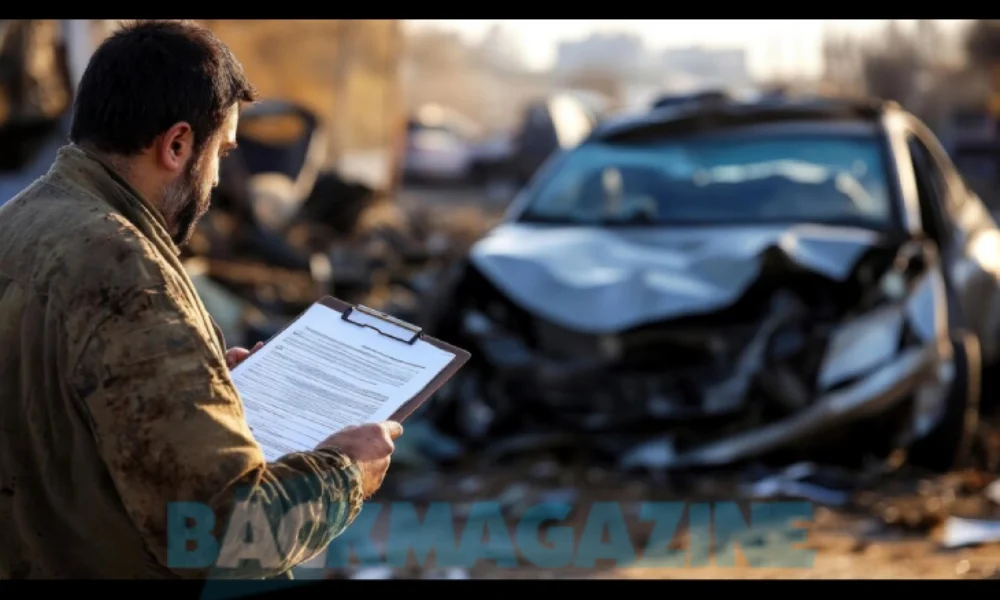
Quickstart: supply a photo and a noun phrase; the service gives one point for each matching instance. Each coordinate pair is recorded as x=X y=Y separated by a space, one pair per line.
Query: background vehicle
x=556 y=124
x=440 y=146
x=744 y=278
x=283 y=230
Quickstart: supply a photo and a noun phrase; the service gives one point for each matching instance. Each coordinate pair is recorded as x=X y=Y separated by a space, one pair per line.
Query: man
x=115 y=393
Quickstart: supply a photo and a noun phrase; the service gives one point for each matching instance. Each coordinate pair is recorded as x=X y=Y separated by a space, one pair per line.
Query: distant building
x=643 y=71
x=616 y=52
x=710 y=68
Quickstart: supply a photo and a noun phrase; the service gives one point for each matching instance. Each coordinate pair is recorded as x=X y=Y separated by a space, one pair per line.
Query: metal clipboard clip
x=386 y=325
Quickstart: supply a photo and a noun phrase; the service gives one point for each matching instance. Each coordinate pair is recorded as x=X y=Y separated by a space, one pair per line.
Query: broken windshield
x=722 y=178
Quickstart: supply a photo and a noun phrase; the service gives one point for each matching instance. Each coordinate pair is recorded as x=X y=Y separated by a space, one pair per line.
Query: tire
x=949 y=444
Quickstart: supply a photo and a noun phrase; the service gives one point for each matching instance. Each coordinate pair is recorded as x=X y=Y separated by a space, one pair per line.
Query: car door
x=967 y=234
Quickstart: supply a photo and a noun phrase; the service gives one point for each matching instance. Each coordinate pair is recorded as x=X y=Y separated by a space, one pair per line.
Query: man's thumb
x=393 y=428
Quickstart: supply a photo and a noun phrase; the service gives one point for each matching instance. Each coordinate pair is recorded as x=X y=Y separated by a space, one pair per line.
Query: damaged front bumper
x=918 y=374
x=894 y=358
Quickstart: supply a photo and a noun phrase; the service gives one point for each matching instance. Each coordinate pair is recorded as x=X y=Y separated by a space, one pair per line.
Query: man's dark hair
x=150 y=75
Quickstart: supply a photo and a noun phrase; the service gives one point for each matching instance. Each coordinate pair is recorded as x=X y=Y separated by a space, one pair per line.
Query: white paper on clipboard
x=324 y=373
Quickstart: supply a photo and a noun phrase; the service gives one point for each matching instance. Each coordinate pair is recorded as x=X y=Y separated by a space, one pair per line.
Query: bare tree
x=913 y=66
x=982 y=43
x=842 y=64
x=344 y=61
x=891 y=65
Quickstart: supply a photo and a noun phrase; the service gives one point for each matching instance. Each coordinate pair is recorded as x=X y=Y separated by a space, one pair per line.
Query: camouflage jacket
x=115 y=403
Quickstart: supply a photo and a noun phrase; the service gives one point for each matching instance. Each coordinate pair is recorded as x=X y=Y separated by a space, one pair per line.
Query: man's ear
x=175 y=147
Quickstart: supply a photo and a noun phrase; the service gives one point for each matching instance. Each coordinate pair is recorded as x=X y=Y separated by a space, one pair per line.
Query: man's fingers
x=392 y=428
x=236 y=355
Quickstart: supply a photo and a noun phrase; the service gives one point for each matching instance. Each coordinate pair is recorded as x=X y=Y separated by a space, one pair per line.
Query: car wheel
x=949 y=444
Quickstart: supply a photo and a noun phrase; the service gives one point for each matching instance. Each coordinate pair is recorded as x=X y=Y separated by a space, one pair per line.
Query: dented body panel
x=600 y=280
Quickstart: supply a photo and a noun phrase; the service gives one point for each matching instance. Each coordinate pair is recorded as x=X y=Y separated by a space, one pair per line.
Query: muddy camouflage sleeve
x=170 y=427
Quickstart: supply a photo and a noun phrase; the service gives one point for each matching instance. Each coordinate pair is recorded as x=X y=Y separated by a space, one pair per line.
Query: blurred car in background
x=441 y=146
x=735 y=281
x=547 y=127
x=555 y=124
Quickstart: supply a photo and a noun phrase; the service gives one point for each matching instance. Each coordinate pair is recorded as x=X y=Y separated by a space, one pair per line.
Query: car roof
x=808 y=114
x=669 y=100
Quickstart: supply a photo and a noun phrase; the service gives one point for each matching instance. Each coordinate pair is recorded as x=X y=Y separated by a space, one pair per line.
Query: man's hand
x=235 y=356
x=370 y=445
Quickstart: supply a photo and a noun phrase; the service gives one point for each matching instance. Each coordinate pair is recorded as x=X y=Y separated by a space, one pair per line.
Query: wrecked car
x=730 y=282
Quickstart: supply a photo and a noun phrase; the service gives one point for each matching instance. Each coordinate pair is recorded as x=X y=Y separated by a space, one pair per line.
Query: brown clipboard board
x=460 y=356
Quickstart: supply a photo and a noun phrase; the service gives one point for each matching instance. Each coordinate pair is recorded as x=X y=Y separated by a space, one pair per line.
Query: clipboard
x=403 y=333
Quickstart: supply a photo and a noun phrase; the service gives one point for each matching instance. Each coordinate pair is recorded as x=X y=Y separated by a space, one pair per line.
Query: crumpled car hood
x=603 y=280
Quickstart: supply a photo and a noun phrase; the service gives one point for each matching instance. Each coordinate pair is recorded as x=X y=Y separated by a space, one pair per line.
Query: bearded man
x=115 y=394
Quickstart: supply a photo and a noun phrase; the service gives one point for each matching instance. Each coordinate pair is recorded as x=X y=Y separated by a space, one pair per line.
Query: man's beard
x=188 y=203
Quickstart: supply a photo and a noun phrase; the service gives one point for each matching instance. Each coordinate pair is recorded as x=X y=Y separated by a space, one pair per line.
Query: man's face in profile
x=192 y=191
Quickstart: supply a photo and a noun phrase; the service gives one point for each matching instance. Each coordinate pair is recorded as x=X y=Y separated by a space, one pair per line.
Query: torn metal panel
x=926 y=307
x=861 y=345
x=601 y=280
x=872 y=395
x=929 y=400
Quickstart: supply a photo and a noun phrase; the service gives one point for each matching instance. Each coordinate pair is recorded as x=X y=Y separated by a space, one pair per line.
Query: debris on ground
x=805 y=481
x=969 y=532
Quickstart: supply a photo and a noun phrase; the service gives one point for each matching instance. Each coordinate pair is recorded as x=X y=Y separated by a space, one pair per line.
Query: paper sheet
x=322 y=374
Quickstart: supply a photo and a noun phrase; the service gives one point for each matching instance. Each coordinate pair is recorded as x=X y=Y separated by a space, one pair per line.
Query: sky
x=774 y=47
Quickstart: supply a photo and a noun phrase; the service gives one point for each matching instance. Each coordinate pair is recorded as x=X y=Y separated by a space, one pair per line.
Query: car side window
x=930 y=189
